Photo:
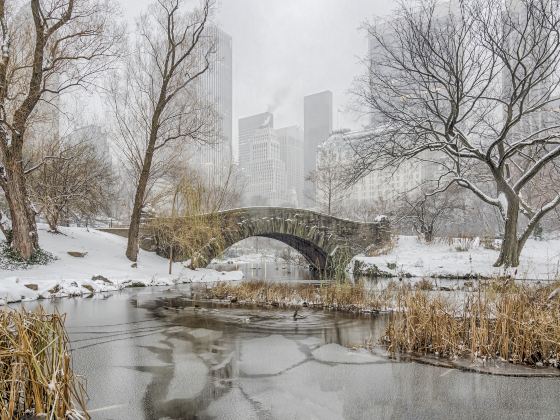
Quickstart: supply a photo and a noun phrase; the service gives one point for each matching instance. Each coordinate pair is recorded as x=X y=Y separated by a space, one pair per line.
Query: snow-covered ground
x=540 y=260
x=103 y=268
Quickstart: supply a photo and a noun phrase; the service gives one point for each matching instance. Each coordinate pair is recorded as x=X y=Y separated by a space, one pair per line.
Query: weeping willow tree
x=194 y=225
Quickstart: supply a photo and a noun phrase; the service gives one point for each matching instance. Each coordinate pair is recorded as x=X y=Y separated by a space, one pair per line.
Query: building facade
x=318 y=110
x=215 y=88
x=291 y=153
x=96 y=136
x=260 y=158
x=379 y=188
x=247 y=127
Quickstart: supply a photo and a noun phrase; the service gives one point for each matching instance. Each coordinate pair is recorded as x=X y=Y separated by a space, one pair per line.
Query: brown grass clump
x=518 y=324
x=375 y=251
x=424 y=284
x=332 y=295
x=36 y=377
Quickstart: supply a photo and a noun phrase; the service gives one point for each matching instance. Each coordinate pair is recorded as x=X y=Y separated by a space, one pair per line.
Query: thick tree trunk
x=428 y=235
x=135 y=219
x=510 y=251
x=52 y=220
x=24 y=227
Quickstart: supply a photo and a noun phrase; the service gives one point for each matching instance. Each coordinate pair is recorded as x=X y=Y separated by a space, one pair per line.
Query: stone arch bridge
x=325 y=241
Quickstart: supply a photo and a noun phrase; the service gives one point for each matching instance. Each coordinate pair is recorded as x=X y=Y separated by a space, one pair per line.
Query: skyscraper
x=261 y=161
x=215 y=85
x=246 y=127
x=317 y=109
x=291 y=153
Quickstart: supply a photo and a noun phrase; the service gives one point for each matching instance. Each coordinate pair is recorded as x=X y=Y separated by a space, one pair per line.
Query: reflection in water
x=154 y=353
x=225 y=346
x=270 y=271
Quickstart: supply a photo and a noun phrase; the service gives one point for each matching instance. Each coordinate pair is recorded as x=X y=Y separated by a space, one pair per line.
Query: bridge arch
x=322 y=239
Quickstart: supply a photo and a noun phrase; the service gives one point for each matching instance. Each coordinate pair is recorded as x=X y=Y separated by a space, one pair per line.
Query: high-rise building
x=215 y=86
x=379 y=188
x=291 y=153
x=246 y=127
x=261 y=160
x=95 y=136
x=317 y=128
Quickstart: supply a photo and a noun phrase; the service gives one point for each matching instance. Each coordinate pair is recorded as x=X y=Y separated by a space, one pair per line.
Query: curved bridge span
x=325 y=241
x=321 y=239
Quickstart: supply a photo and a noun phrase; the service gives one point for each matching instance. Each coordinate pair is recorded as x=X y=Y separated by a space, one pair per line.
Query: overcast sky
x=285 y=49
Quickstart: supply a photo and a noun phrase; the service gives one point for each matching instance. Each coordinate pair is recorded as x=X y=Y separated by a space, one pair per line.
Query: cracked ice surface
x=189 y=373
x=296 y=394
x=269 y=355
x=232 y=406
x=335 y=353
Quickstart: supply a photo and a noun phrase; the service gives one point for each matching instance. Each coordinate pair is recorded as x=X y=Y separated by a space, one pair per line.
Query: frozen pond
x=270 y=271
x=153 y=353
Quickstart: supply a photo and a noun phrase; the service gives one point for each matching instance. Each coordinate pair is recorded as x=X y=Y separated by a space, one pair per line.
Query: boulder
x=101 y=278
x=77 y=254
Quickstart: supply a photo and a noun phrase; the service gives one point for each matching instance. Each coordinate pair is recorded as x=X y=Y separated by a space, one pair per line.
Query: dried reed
x=516 y=323
x=333 y=295
x=36 y=378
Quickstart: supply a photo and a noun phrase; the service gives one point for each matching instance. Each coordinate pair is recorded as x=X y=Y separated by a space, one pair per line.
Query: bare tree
x=156 y=105
x=220 y=194
x=213 y=195
x=47 y=47
x=473 y=86
x=367 y=211
x=74 y=181
x=329 y=181
x=429 y=213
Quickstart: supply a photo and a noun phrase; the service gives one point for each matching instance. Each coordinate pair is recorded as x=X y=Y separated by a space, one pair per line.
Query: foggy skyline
x=284 y=50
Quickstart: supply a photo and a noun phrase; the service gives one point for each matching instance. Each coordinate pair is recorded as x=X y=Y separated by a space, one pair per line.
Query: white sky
x=285 y=49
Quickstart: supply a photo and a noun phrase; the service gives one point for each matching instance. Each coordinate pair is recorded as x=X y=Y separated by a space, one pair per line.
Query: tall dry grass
x=499 y=320
x=332 y=295
x=517 y=323
x=36 y=377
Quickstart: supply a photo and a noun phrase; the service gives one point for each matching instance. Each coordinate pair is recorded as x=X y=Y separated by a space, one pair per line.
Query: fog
x=285 y=49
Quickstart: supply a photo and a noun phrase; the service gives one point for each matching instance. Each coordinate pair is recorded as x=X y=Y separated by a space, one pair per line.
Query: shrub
x=11 y=260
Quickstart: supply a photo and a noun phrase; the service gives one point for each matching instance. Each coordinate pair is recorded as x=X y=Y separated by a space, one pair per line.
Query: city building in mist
x=317 y=109
x=247 y=127
x=379 y=189
x=95 y=136
x=260 y=159
x=215 y=87
x=291 y=152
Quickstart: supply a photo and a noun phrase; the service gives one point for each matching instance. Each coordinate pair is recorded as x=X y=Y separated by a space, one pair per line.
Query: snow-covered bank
x=104 y=267
x=540 y=260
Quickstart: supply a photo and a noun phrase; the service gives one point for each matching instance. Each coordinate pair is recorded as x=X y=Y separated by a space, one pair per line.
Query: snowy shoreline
x=102 y=268
x=540 y=260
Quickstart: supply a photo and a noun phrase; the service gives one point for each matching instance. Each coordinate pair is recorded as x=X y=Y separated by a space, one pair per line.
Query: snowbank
x=103 y=268
x=540 y=260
